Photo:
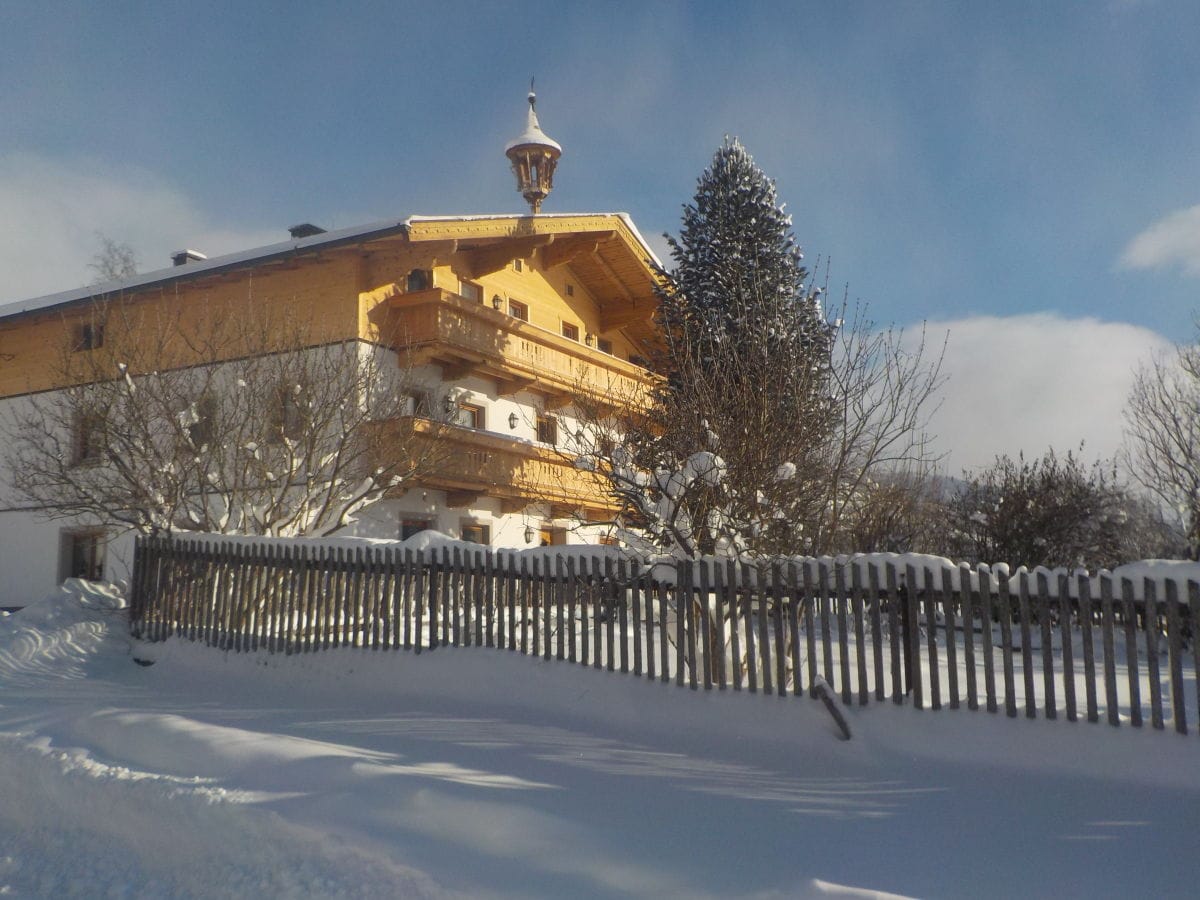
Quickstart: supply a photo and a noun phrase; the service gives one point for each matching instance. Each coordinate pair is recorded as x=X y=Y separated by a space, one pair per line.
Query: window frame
x=570 y=331
x=518 y=310
x=547 y=425
x=89 y=438
x=473 y=286
x=472 y=525
x=87 y=336
x=206 y=421
x=474 y=411
x=407 y=524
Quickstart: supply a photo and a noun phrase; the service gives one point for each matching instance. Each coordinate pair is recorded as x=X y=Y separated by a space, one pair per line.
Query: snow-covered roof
x=198 y=267
x=533 y=133
x=272 y=251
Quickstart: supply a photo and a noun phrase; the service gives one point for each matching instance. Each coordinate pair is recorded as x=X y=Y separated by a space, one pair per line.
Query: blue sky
x=1017 y=173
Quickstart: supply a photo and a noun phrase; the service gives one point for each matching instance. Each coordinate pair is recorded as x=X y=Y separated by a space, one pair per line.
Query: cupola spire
x=533 y=156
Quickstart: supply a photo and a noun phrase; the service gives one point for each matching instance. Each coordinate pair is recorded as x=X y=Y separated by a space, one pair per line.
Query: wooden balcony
x=465 y=337
x=470 y=465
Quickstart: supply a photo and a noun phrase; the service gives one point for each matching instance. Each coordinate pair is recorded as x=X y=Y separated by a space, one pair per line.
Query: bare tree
x=287 y=434
x=1052 y=511
x=1162 y=418
x=882 y=392
x=726 y=467
x=114 y=261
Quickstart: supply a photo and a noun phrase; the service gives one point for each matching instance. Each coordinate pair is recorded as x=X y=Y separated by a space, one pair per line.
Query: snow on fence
x=1086 y=646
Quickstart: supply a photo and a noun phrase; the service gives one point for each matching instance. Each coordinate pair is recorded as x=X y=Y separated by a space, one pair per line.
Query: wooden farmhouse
x=508 y=319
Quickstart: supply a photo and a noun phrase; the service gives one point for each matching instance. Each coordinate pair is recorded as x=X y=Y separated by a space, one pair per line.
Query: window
x=518 y=310
x=469 y=290
x=640 y=361
x=203 y=429
x=475 y=533
x=468 y=415
x=518 y=265
x=88 y=336
x=88 y=439
x=409 y=527
x=420 y=404
x=418 y=280
x=604 y=345
x=547 y=429
x=570 y=331
x=552 y=537
x=570 y=290
x=289 y=417
x=81 y=555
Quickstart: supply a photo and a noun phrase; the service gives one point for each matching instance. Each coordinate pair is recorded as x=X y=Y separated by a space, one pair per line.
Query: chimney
x=305 y=229
x=183 y=257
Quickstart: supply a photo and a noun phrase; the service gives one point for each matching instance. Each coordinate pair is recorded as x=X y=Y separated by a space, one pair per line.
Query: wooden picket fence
x=937 y=637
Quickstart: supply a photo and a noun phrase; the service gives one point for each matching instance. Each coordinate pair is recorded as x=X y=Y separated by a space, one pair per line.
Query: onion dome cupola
x=534 y=156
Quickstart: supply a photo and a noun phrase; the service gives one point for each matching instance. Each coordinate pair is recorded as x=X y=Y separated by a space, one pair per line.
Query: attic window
x=518 y=265
x=570 y=290
x=89 y=336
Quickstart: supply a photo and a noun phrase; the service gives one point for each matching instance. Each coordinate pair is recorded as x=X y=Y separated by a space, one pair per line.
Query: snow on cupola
x=534 y=156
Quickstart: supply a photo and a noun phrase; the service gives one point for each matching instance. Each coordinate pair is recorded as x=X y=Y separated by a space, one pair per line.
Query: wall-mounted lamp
x=513 y=420
x=497 y=301
x=590 y=339
x=450 y=404
x=529 y=534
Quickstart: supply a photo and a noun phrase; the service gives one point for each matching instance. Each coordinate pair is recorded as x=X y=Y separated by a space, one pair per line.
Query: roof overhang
x=605 y=251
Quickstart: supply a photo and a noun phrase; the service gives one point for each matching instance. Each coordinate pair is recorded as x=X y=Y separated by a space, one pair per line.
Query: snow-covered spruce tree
x=791 y=412
x=747 y=357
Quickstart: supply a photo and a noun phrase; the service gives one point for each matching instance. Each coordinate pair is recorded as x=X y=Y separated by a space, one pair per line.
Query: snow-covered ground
x=475 y=772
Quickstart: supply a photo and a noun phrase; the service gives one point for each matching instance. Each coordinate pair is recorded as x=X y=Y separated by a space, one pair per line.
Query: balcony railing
x=470 y=464
x=467 y=337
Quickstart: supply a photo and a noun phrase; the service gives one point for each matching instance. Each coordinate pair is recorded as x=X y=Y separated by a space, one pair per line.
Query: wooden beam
x=507 y=385
x=487 y=260
x=621 y=288
x=566 y=249
x=462 y=498
x=557 y=399
x=627 y=315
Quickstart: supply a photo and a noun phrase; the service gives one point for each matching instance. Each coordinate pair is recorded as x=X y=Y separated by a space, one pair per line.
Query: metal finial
x=532 y=95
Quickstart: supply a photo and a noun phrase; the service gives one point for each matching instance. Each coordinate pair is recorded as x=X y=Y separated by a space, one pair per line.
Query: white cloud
x=1172 y=240
x=53 y=210
x=1034 y=381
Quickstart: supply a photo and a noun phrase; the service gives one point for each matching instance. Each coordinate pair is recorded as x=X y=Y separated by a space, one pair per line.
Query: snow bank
x=479 y=772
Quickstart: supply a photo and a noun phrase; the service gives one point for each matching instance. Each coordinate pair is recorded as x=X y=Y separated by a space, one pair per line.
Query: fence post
x=1175 y=658
x=1150 y=620
x=1065 y=613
